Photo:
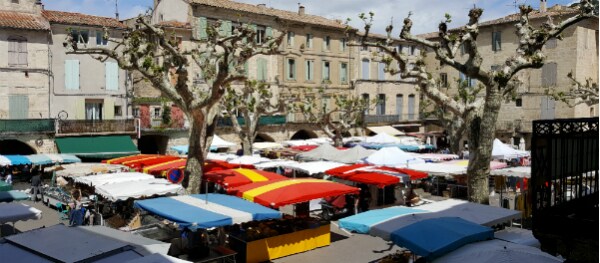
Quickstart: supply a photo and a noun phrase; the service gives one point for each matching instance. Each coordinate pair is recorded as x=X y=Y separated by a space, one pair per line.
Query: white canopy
x=247 y=159
x=385 y=129
x=274 y=163
x=13 y=212
x=352 y=155
x=220 y=156
x=218 y=142
x=102 y=179
x=477 y=213
x=504 y=151
x=137 y=189
x=441 y=169
x=392 y=156
x=323 y=152
x=313 y=167
x=266 y=145
x=520 y=171
x=382 y=138
x=82 y=169
x=4 y=161
x=497 y=251
x=292 y=143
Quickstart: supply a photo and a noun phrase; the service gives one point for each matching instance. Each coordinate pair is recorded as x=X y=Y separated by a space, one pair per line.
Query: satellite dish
x=175 y=176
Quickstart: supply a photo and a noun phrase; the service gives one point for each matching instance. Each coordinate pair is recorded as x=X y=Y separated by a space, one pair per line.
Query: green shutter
x=18 y=106
x=109 y=109
x=306 y=69
x=269 y=32
x=246 y=68
x=261 y=69
x=202 y=25
x=324 y=72
x=72 y=74
x=112 y=76
x=225 y=28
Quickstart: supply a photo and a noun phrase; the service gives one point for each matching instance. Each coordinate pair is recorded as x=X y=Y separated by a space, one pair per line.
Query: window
x=291 y=69
x=519 y=102
x=111 y=75
x=290 y=39
x=17 y=52
x=136 y=112
x=411 y=107
x=327 y=43
x=444 y=80
x=549 y=74
x=469 y=81
x=309 y=41
x=413 y=50
x=496 y=41
x=365 y=69
x=261 y=34
x=15 y=1
x=400 y=49
x=366 y=98
x=380 y=104
x=93 y=109
x=100 y=41
x=18 y=106
x=262 y=69
x=71 y=74
x=326 y=71
x=381 y=71
x=551 y=43
x=343 y=73
x=82 y=36
x=310 y=70
x=463 y=49
x=343 y=45
x=118 y=111
x=399 y=105
x=156 y=114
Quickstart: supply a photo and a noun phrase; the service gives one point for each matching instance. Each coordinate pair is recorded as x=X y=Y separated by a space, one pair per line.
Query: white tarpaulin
x=137 y=189
x=247 y=159
x=218 y=142
x=385 y=129
x=504 y=151
x=313 y=167
x=352 y=155
x=82 y=169
x=220 y=156
x=13 y=212
x=323 y=152
x=274 y=164
x=382 y=138
x=392 y=156
x=442 y=169
x=113 y=178
x=520 y=171
x=519 y=236
x=266 y=145
x=497 y=251
x=293 y=143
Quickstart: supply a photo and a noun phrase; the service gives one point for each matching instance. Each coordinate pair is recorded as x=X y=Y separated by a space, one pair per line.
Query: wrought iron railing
x=382 y=118
x=27 y=126
x=265 y=120
x=95 y=126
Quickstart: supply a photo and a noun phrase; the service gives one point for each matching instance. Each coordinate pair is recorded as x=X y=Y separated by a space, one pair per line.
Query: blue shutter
x=269 y=32
x=202 y=25
x=18 y=106
x=381 y=71
x=72 y=74
x=112 y=76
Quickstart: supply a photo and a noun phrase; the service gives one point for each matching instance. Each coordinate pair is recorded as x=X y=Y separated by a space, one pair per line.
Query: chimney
x=38 y=7
x=301 y=10
x=262 y=5
x=542 y=6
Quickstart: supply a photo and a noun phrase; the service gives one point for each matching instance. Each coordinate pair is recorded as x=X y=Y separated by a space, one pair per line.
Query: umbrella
x=499 y=251
x=435 y=237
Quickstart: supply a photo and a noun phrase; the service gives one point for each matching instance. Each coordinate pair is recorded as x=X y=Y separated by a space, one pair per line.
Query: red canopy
x=161 y=168
x=378 y=179
x=217 y=165
x=241 y=176
x=304 y=148
x=141 y=163
x=121 y=160
x=291 y=191
x=348 y=170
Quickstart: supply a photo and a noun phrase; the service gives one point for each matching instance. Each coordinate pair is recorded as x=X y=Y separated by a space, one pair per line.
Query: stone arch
x=303 y=135
x=14 y=146
x=263 y=137
x=153 y=144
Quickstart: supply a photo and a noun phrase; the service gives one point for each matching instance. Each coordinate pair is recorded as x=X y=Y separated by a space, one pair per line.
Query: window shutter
x=261 y=67
x=399 y=105
x=306 y=69
x=18 y=106
x=202 y=25
x=72 y=74
x=13 y=54
x=246 y=68
x=269 y=32
x=411 y=107
x=287 y=69
x=112 y=76
x=225 y=28
x=22 y=57
x=323 y=71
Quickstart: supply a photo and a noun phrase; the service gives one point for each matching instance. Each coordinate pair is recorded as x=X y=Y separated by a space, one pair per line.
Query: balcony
x=95 y=126
x=27 y=126
x=382 y=119
x=265 y=120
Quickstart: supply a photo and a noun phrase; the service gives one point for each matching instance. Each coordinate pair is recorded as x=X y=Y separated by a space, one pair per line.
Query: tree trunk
x=481 y=134
x=196 y=153
x=454 y=141
x=247 y=145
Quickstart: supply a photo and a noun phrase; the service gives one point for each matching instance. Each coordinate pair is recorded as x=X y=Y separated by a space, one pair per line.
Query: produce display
x=256 y=230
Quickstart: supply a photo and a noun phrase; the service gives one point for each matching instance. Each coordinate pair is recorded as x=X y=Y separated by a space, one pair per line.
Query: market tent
x=104 y=147
x=441 y=169
x=161 y=168
x=63 y=158
x=158 y=258
x=266 y=145
x=436 y=157
x=477 y=213
x=362 y=168
x=12 y=195
x=274 y=164
x=465 y=163
x=385 y=129
x=13 y=212
x=293 y=143
x=323 y=152
x=520 y=171
x=220 y=156
x=291 y=191
x=140 y=164
x=137 y=189
x=435 y=237
x=519 y=236
x=83 y=169
x=17 y=159
x=247 y=160
x=378 y=179
x=241 y=176
x=504 y=151
x=382 y=138
x=497 y=251
x=313 y=167
x=217 y=142
x=112 y=178
x=123 y=159
x=4 y=161
x=392 y=156
x=352 y=155
x=206 y=210
x=362 y=222
x=39 y=159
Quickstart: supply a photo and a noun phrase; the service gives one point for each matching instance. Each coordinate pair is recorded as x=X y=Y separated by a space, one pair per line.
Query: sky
x=426 y=13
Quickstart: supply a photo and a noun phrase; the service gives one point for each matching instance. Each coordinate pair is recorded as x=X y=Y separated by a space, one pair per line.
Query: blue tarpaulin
x=39 y=159
x=12 y=195
x=194 y=211
x=361 y=223
x=17 y=159
x=434 y=237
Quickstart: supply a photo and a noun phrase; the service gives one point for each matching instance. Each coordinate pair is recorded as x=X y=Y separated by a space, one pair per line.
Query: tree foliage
x=579 y=93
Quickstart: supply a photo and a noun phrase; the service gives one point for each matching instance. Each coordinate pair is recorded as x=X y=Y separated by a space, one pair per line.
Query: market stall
x=13 y=212
x=82 y=169
x=504 y=151
x=161 y=169
x=322 y=152
x=120 y=160
x=241 y=176
x=138 y=165
x=402 y=173
x=12 y=195
x=392 y=156
x=138 y=189
x=352 y=155
x=497 y=251
x=312 y=168
x=112 y=178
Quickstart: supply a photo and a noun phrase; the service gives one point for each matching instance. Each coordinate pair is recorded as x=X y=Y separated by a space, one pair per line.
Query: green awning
x=104 y=147
x=4 y=186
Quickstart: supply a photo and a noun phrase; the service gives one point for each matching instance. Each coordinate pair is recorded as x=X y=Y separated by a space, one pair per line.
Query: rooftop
x=18 y=20
x=68 y=18
x=174 y=24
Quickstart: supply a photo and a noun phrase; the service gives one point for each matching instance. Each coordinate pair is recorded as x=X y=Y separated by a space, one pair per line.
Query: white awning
x=137 y=189
x=313 y=167
x=102 y=179
x=385 y=129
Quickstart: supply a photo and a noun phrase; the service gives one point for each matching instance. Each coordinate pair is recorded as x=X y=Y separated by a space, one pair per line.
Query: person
x=8 y=178
x=36 y=185
x=364 y=198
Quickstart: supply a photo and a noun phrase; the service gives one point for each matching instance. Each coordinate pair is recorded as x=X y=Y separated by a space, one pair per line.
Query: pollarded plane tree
x=481 y=114
x=252 y=101
x=220 y=54
x=579 y=93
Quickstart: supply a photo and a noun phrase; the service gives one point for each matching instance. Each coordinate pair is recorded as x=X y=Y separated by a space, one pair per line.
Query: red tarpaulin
x=161 y=168
x=304 y=148
x=237 y=177
x=291 y=191
x=138 y=165
x=121 y=160
x=367 y=168
x=378 y=179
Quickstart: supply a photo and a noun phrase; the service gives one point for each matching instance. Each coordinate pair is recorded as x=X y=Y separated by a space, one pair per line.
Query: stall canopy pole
x=206 y=191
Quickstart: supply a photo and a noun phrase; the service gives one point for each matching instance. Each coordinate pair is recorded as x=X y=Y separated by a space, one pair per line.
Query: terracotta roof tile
x=19 y=20
x=68 y=18
x=174 y=24
x=281 y=14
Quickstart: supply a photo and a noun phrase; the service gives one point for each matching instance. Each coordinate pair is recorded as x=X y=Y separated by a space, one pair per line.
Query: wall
x=27 y=6
x=171 y=10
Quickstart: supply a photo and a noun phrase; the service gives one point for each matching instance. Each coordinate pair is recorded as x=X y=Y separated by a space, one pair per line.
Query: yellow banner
x=252 y=175
x=251 y=194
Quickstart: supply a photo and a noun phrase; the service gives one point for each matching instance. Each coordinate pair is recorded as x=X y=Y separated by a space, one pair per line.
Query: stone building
x=577 y=53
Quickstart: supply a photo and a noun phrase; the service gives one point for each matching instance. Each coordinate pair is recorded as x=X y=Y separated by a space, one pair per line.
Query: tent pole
x=206 y=191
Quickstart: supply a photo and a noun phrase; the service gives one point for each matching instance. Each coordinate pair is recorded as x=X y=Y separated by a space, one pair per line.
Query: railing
x=27 y=126
x=265 y=120
x=382 y=118
x=95 y=126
